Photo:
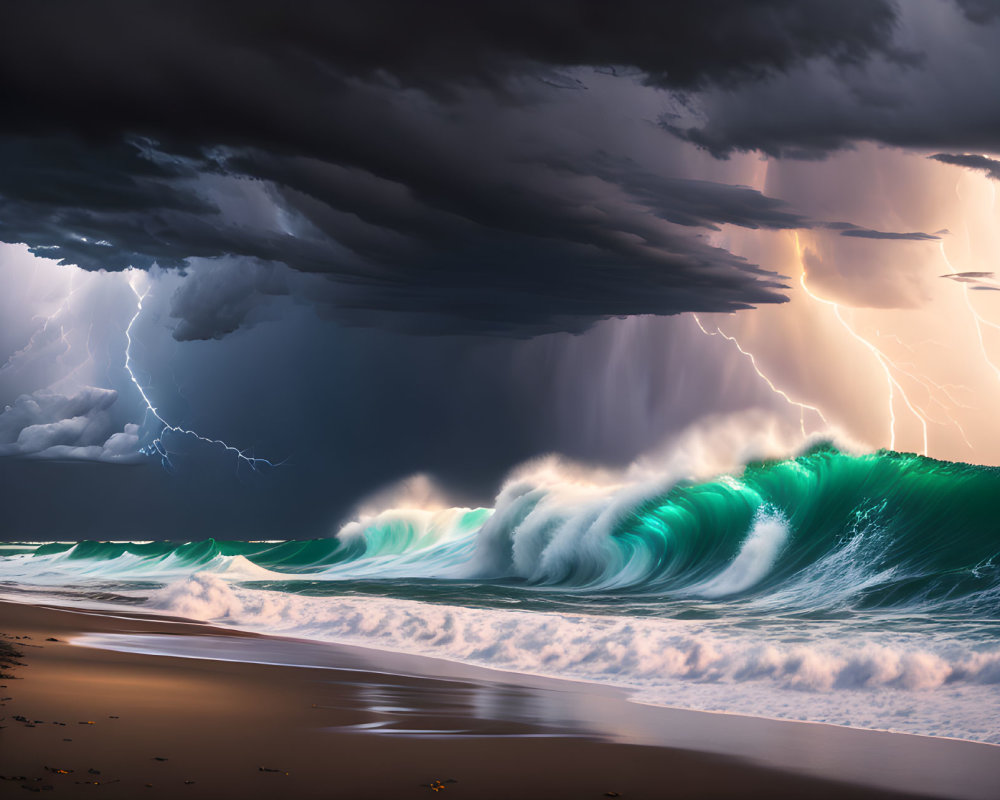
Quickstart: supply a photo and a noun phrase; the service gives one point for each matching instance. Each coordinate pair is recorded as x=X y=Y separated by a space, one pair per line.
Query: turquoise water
x=822 y=534
x=828 y=586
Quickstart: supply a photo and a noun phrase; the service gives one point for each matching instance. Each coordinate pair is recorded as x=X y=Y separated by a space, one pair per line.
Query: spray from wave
x=851 y=588
x=825 y=531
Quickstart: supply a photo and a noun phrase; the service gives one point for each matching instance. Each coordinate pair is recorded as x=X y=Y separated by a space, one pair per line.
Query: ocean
x=852 y=589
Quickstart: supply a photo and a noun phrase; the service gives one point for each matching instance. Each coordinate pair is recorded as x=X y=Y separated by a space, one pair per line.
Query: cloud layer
x=990 y=166
x=472 y=169
x=931 y=88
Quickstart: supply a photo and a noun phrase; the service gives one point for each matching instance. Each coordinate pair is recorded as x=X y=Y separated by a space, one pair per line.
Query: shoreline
x=405 y=721
x=422 y=663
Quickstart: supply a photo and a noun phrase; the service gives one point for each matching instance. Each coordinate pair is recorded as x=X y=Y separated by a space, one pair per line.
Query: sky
x=264 y=265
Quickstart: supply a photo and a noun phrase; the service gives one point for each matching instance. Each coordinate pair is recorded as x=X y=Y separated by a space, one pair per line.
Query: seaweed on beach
x=8 y=659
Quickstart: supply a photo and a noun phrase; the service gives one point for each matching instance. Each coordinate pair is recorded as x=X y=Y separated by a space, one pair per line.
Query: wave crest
x=823 y=531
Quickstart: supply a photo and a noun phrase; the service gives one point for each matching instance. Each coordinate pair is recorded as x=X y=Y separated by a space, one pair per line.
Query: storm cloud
x=414 y=158
x=936 y=91
x=915 y=236
x=526 y=186
x=990 y=166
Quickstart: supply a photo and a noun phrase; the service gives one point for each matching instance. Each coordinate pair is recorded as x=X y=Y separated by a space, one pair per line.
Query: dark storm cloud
x=853 y=231
x=399 y=151
x=685 y=202
x=966 y=276
x=93 y=206
x=981 y=163
x=512 y=247
x=112 y=64
x=112 y=205
x=981 y=11
x=977 y=281
x=940 y=97
x=917 y=236
x=216 y=299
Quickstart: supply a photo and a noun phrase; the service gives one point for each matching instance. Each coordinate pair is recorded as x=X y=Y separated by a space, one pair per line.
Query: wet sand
x=94 y=722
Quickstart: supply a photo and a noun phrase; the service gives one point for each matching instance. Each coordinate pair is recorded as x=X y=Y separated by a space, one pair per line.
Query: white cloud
x=46 y=424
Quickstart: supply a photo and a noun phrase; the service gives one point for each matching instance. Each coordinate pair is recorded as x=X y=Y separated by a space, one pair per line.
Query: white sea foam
x=56 y=569
x=755 y=559
x=897 y=682
x=562 y=538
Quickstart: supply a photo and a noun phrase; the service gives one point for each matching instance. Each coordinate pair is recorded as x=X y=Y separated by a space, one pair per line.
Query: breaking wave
x=824 y=531
x=829 y=586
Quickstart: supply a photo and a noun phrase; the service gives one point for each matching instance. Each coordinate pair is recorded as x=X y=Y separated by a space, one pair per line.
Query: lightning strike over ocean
x=979 y=320
x=157 y=446
x=982 y=279
x=803 y=407
x=883 y=361
x=538 y=521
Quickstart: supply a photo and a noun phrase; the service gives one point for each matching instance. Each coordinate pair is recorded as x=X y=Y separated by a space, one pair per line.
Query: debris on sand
x=438 y=785
x=9 y=656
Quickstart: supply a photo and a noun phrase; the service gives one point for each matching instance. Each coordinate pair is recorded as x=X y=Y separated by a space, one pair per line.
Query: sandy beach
x=91 y=722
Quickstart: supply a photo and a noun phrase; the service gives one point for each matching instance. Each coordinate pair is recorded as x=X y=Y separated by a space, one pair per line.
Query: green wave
x=881 y=529
x=823 y=530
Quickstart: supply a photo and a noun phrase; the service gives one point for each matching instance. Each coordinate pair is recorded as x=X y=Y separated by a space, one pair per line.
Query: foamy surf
x=856 y=590
x=898 y=682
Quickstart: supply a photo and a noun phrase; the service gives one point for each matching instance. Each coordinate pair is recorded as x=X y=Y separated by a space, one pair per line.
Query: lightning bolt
x=977 y=318
x=40 y=338
x=926 y=382
x=912 y=348
x=803 y=407
x=67 y=378
x=157 y=447
x=883 y=360
x=979 y=321
x=930 y=384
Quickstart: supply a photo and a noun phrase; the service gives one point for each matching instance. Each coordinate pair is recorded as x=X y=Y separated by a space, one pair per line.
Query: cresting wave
x=824 y=530
x=821 y=532
x=857 y=589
